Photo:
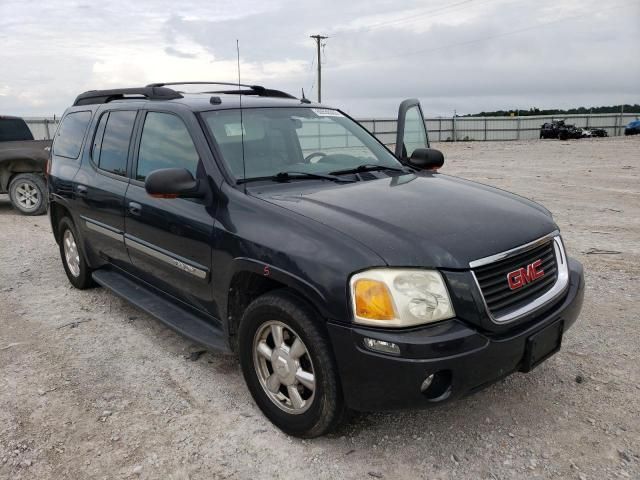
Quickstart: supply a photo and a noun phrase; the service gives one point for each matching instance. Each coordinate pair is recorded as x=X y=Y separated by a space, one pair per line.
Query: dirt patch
x=91 y=387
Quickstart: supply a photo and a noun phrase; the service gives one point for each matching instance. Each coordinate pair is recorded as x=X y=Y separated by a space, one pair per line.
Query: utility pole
x=318 y=39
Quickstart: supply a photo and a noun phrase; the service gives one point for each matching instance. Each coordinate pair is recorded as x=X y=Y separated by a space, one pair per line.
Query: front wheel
x=27 y=193
x=288 y=365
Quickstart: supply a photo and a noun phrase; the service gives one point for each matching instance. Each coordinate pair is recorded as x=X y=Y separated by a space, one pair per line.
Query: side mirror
x=426 y=159
x=172 y=183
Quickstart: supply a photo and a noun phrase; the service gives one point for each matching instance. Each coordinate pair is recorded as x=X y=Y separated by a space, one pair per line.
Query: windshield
x=303 y=140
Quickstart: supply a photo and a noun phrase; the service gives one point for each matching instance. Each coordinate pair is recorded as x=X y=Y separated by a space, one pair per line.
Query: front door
x=411 y=133
x=169 y=240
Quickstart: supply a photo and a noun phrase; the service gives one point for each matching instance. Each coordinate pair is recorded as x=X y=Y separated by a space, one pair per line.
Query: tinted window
x=68 y=140
x=97 y=140
x=165 y=143
x=311 y=140
x=13 y=129
x=112 y=154
x=415 y=134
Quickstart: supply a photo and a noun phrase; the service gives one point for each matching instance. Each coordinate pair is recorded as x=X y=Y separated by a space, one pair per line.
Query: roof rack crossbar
x=264 y=92
x=93 y=97
x=258 y=90
x=163 y=84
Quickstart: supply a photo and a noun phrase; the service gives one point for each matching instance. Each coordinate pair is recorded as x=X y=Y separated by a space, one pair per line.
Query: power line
x=313 y=77
x=409 y=19
x=469 y=42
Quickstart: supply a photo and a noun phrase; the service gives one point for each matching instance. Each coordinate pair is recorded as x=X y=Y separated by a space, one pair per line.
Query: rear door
x=169 y=240
x=101 y=184
x=411 y=133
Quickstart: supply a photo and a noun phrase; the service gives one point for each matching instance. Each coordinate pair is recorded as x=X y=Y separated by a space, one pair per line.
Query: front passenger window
x=165 y=143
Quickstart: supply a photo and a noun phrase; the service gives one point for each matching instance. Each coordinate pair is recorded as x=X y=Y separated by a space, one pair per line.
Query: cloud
x=177 y=53
x=465 y=55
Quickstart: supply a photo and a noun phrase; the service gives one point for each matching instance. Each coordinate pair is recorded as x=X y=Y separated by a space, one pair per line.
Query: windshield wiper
x=285 y=176
x=366 y=167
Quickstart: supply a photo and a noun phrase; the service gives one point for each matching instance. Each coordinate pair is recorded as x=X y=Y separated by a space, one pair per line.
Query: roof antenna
x=244 y=167
x=304 y=99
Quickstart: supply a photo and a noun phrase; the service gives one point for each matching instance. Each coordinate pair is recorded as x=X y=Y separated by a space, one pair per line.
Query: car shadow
x=536 y=398
x=5 y=206
x=526 y=397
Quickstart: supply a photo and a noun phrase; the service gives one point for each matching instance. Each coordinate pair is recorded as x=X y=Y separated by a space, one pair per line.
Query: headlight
x=387 y=297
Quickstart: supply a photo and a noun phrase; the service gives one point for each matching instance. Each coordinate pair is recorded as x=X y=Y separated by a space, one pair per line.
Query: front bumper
x=463 y=358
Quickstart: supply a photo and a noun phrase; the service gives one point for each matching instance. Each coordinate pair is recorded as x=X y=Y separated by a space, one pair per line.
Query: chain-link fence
x=43 y=128
x=446 y=129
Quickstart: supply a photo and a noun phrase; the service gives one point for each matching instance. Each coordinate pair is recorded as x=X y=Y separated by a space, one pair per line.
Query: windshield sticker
x=234 y=129
x=326 y=112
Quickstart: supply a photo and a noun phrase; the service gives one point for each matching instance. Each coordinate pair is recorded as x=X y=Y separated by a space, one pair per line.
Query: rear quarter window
x=68 y=140
x=14 y=129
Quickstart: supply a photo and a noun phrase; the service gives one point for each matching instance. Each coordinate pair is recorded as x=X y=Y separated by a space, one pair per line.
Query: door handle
x=135 y=208
x=81 y=190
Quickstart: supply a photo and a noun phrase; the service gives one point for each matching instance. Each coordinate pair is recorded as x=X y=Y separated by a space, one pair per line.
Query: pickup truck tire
x=75 y=265
x=28 y=194
x=288 y=365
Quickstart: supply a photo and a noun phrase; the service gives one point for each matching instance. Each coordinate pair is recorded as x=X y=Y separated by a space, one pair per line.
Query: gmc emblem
x=522 y=276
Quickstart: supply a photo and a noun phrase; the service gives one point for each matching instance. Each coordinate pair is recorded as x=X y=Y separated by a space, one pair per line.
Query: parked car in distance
x=22 y=166
x=344 y=276
x=597 y=132
x=551 y=129
x=568 y=131
x=564 y=131
x=584 y=132
x=632 y=128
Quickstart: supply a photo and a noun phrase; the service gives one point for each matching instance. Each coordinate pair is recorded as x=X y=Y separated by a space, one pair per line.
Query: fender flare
x=10 y=167
x=272 y=272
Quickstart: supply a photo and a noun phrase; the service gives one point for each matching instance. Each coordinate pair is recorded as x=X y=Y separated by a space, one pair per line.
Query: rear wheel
x=288 y=365
x=75 y=265
x=28 y=192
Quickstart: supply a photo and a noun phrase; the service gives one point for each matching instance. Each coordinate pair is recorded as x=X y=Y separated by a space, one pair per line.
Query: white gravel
x=114 y=394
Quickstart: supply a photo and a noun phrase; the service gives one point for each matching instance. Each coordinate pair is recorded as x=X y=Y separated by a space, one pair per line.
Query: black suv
x=343 y=275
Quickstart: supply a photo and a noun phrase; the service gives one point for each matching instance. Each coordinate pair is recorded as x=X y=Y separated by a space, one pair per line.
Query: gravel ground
x=93 y=388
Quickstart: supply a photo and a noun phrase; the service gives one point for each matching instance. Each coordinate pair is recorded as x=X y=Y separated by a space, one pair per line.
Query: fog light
x=382 y=346
x=427 y=383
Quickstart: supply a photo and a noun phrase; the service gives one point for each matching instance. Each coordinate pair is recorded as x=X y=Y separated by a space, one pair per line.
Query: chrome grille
x=500 y=299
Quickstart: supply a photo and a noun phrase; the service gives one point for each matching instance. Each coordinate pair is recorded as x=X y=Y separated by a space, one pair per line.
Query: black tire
x=28 y=194
x=80 y=277
x=326 y=409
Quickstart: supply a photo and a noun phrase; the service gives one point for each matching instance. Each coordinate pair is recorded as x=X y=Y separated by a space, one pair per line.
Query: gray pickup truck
x=23 y=163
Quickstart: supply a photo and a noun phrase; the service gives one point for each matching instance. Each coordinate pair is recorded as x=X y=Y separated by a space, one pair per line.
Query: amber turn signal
x=373 y=300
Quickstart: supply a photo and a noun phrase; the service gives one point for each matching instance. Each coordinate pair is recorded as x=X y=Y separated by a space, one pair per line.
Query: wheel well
x=57 y=212
x=245 y=287
x=17 y=166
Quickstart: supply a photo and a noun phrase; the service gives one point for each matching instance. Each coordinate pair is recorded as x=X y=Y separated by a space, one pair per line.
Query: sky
x=461 y=55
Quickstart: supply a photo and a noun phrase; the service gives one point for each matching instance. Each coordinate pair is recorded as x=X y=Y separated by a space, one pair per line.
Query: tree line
x=635 y=108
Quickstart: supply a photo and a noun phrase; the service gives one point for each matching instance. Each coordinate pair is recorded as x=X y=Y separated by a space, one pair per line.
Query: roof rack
x=248 y=89
x=151 y=92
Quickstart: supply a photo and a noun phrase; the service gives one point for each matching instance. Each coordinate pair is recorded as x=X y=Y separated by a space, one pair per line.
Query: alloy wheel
x=284 y=367
x=27 y=196
x=71 y=254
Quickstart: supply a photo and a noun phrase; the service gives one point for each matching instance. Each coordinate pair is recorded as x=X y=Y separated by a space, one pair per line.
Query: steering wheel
x=313 y=155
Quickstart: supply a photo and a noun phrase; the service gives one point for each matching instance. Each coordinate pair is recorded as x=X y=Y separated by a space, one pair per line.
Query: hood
x=426 y=220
